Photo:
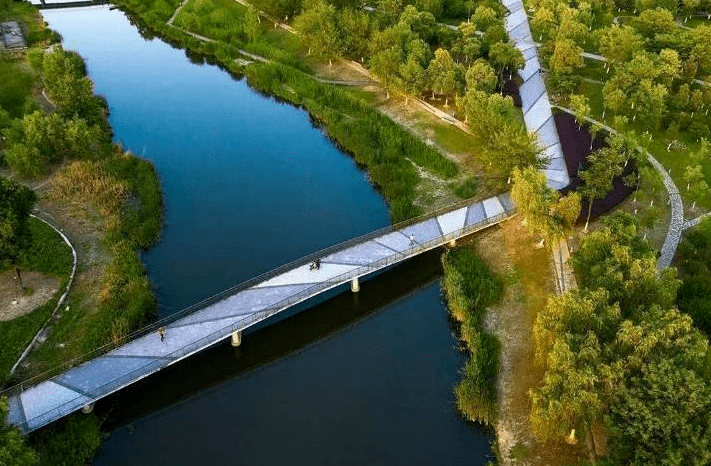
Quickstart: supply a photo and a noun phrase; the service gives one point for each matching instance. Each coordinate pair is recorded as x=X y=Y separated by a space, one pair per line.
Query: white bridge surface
x=535 y=105
x=238 y=308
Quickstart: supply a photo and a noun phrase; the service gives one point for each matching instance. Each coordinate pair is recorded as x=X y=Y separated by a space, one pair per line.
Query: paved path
x=213 y=320
x=43 y=331
x=676 y=223
x=534 y=97
x=695 y=221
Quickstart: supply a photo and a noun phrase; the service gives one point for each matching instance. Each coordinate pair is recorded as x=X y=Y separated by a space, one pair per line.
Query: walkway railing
x=271 y=310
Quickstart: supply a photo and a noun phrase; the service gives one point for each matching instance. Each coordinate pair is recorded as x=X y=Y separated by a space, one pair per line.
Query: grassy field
x=46 y=253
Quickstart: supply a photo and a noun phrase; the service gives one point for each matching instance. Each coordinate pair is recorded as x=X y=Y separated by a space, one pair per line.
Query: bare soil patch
x=527 y=271
x=15 y=303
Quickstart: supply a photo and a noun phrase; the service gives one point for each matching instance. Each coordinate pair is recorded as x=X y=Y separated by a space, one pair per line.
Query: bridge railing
x=252 y=319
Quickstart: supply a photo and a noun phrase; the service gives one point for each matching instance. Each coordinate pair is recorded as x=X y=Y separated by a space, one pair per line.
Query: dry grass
x=510 y=252
x=86 y=184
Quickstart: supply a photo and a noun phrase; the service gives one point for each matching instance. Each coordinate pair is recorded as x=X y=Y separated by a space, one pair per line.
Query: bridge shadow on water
x=269 y=341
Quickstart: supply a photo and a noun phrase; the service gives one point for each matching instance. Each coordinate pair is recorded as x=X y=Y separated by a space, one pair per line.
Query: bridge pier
x=87 y=408
x=355 y=285
x=452 y=243
x=236 y=339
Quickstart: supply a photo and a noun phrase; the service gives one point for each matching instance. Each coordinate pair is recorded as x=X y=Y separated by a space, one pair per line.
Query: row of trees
x=617 y=352
x=412 y=54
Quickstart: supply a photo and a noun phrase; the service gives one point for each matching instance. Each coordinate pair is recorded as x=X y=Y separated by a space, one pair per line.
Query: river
x=250 y=184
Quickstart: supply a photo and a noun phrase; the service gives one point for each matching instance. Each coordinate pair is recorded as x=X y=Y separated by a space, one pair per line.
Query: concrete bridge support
x=452 y=243
x=236 y=339
x=87 y=408
x=355 y=285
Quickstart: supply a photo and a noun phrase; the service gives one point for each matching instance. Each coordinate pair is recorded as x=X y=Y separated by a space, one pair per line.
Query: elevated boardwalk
x=229 y=313
x=535 y=104
x=52 y=5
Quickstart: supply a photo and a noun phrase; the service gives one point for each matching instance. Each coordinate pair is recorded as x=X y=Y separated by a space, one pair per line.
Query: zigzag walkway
x=240 y=307
x=535 y=105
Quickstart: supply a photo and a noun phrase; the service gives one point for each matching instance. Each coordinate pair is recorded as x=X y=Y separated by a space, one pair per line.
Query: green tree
x=601 y=169
x=571 y=335
x=442 y=74
x=566 y=57
x=619 y=43
x=318 y=29
x=662 y=417
x=505 y=56
x=481 y=76
x=357 y=29
x=616 y=259
x=16 y=202
x=696 y=186
x=13 y=449
x=700 y=38
x=545 y=212
x=580 y=106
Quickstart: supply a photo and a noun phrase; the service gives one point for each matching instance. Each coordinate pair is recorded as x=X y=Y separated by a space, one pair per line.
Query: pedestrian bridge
x=34 y=404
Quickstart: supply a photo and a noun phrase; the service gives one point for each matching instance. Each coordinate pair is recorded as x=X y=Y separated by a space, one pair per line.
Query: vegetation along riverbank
x=57 y=157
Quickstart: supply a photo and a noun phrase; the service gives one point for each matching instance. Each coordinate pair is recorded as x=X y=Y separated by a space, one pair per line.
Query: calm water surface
x=248 y=185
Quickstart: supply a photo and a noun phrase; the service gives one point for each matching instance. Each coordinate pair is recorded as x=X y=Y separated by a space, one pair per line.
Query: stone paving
x=536 y=107
x=33 y=407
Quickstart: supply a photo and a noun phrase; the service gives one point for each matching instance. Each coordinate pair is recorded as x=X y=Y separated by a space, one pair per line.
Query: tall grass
x=124 y=191
x=375 y=141
x=470 y=288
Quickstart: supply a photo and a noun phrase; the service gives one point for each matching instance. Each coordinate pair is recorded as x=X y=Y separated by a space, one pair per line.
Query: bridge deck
x=240 y=308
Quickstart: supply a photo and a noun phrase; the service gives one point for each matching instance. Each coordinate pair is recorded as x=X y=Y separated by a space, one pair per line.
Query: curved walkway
x=42 y=331
x=676 y=223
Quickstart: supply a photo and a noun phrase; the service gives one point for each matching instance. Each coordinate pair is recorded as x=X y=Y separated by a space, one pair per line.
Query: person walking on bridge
x=161 y=332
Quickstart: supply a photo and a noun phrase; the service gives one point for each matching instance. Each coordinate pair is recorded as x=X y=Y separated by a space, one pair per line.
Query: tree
x=356 y=28
x=481 y=76
x=13 y=449
x=544 y=21
x=16 y=202
x=696 y=186
x=616 y=259
x=619 y=43
x=649 y=23
x=580 y=106
x=700 y=38
x=661 y=417
x=601 y=169
x=67 y=85
x=545 y=212
x=571 y=335
x=442 y=73
x=484 y=17
x=566 y=57
x=318 y=29
x=505 y=56
x=504 y=138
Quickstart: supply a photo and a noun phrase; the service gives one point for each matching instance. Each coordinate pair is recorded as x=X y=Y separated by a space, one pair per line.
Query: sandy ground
x=14 y=303
x=512 y=321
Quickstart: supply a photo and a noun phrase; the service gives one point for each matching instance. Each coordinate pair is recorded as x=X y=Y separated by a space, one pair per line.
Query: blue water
x=250 y=184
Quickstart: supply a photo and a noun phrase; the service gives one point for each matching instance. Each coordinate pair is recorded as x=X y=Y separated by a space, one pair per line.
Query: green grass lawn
x=49 y=254
x=675 y=160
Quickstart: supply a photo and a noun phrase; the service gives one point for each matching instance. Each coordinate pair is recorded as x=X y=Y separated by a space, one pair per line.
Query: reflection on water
x=248 y=185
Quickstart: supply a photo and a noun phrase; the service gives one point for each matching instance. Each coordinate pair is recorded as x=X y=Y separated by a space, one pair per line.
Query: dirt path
x=527 y=271
x=14 y=303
